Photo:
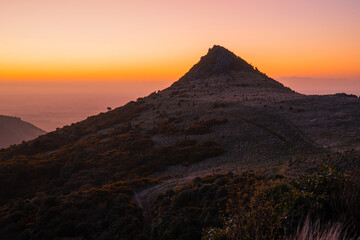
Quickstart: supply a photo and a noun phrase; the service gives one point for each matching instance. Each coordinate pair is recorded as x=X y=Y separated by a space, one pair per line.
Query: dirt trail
x=145 y=197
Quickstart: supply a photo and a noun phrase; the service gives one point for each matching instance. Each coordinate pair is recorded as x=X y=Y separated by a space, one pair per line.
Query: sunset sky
x=54 y=40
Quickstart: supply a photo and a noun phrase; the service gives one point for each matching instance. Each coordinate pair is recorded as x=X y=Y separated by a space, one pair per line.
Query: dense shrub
x=105 y=212
x=181 y=214
x=261 y=208
x=204 y=126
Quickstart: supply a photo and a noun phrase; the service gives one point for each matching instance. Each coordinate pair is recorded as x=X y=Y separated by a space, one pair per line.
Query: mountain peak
x=218 y=60
x=220 y=50
x=223 y=65
x=224 y=59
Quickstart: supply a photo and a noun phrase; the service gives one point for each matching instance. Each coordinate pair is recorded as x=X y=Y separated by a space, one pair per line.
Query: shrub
x=197 y=129
x=262 y=208
x=203 y=126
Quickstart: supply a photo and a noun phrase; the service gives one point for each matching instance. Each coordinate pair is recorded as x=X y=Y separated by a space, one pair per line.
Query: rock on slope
x=13 y=131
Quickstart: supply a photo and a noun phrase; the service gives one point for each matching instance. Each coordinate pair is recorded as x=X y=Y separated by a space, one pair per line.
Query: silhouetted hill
x=13 y=131
x=124 y=174
x=222 y=63
x=218 y=60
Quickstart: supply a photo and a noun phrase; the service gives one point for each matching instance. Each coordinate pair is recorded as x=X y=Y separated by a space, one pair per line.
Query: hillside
x=113 y=175
x=13 y=131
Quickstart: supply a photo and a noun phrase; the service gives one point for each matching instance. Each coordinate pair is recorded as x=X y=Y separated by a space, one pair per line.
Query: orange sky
x=160 y=40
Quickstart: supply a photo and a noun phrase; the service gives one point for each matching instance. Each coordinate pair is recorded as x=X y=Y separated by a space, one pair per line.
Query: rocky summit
x=220 y=63
x=218 y=60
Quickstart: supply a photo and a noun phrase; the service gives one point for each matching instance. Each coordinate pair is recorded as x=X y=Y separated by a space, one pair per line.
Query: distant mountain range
x=164 y=166
x=13 y=131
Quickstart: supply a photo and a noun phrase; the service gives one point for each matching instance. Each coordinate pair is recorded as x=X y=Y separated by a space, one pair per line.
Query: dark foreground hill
x=174 y=164
x=13 y=131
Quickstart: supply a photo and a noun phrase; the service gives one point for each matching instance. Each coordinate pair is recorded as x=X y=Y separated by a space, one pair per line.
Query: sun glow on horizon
x=160 y=40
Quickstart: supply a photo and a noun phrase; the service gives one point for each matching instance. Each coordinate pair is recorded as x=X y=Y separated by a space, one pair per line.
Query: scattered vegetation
x=123 y=153
x=70 y=134
x=166 y=128
x=203 y=126
x=170 y=127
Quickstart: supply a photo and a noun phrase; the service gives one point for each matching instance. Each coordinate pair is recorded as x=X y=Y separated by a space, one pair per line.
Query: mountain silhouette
x=220 y=63
x=13 y=131
x=218 y=60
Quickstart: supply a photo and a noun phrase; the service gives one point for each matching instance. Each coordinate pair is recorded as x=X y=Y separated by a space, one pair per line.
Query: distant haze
x=49 y=105
x=308 y=85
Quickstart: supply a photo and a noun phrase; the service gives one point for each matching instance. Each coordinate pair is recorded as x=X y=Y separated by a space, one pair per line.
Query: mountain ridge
x=13 y=131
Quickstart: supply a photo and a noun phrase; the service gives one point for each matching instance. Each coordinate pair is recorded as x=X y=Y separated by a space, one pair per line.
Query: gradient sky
x=159 y=40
